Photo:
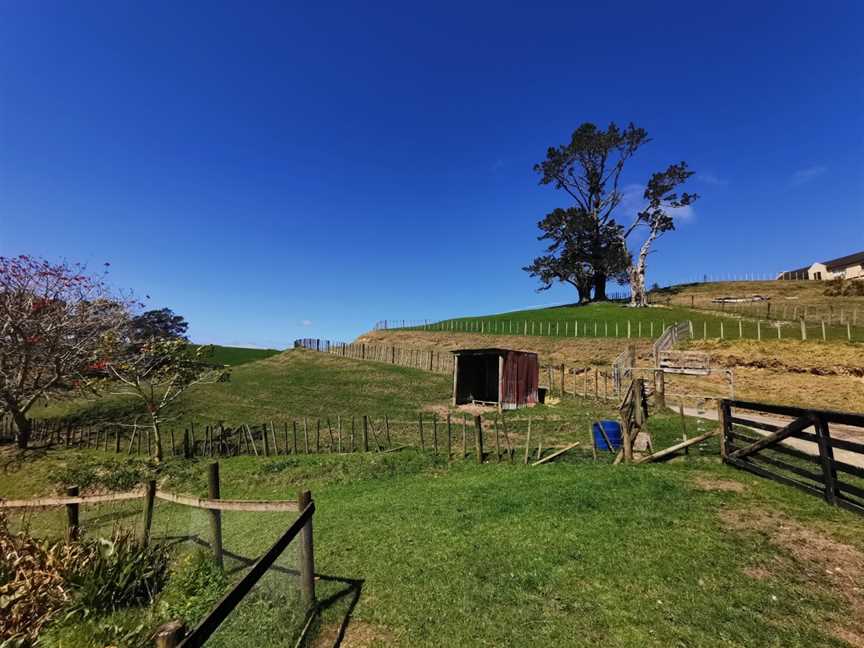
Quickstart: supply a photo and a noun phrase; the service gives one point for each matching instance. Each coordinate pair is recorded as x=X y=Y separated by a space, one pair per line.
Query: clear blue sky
x=274 y=170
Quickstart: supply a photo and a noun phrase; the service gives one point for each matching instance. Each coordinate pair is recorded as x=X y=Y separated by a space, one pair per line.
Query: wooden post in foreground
x=215 y=516
x=723 y=418
x=169 y=635
x=307 y=556
x=478 y=430
x=149 y=501
x=72 y=528
x=660 y=389
x=365 y=433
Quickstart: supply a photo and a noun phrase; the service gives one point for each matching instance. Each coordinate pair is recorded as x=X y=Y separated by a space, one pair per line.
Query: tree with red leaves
x=55 y=319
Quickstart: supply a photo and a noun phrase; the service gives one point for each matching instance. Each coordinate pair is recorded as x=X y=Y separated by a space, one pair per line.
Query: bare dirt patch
x=821 y=558
x=724 y=485
x=359 y=634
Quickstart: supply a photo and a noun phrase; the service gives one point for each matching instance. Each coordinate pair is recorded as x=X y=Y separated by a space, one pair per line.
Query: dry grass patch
x=705 y=483
x=359 y=634
x=820 y=558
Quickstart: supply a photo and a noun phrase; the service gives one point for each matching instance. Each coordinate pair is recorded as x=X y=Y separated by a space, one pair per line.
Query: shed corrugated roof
x=496 y=350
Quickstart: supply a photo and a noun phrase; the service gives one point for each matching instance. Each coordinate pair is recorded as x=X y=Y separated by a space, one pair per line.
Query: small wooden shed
x=500 y=377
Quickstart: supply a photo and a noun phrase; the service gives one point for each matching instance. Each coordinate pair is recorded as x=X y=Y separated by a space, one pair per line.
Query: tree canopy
x=588 y=245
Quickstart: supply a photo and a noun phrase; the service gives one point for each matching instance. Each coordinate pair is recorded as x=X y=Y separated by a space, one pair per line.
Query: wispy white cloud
x=806 y=175
x=633 y=201
x=305 y=322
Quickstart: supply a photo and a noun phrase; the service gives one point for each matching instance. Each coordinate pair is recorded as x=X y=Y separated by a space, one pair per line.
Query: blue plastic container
x=613 y=433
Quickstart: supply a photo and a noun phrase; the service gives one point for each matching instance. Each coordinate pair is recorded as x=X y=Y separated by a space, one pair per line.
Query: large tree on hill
x=589 y=169
x=578 y=251
x=54 y=320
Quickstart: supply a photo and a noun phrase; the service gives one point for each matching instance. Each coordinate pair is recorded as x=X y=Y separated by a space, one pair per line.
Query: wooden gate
x=821 y=452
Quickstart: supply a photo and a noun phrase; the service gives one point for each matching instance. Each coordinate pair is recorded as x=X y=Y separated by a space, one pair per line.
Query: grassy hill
x=684 y=303
x=234 y=356
x=294 y=383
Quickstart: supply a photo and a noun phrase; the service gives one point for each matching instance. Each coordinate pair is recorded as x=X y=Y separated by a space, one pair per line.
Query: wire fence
x=727 y=322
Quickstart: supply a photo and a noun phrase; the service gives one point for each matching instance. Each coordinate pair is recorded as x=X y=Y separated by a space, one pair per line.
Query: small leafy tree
x=54 y=320
x=157 y=372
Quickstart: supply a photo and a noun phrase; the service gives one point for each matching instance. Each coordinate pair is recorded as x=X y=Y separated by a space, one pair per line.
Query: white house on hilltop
x=848 y=267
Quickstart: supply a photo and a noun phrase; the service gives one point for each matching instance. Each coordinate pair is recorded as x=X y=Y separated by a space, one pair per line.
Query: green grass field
x=509 y=555
x=574 y=552
x=616 y=320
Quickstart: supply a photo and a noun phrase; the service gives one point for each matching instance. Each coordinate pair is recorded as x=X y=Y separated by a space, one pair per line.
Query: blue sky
x=275 y=170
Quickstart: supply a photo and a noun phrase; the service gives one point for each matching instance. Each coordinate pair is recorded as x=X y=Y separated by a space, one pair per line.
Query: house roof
x=844 y=262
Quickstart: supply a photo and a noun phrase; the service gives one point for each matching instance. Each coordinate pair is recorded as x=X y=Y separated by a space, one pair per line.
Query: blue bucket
x=613 y=433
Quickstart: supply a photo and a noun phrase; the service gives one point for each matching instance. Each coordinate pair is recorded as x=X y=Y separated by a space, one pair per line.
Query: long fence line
x=832 y=315
x=721 y=325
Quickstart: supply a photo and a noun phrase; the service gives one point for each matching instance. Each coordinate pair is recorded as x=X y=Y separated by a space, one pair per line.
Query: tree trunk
x=23 y=425
x=600 y=287
x=636 y=272
x=583 y=290
x=157 y=438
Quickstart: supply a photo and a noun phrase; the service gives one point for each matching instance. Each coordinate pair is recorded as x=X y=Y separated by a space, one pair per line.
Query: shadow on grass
x=348 y=594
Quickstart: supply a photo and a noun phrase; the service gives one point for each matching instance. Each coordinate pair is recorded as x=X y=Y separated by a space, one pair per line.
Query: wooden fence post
x=307 y=555
x=72 y=528
x=723 y=416
x=215 y=515
x=660 y=389
x=149 y=501
x=449 y=434
x=169 y=635
x=478 y=430
x=365 y=433
x=420 y=425
x=435 y=433
x=826 y=459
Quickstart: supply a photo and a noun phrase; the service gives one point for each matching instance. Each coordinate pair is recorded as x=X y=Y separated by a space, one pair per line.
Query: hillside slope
x=294 y=383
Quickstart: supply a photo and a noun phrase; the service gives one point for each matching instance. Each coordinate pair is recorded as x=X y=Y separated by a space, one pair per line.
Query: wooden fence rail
x=773 y=441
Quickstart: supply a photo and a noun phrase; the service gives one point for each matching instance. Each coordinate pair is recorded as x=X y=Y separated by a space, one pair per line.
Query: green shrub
x=196 y=583
x=108 y=475
x=118 y=573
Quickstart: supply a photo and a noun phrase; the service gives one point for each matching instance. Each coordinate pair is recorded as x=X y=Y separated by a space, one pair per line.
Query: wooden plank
x=832 y=416
x=678 y=446
x=554 y=455
x=850 y=489
x=777 y=463
x=795 y=426
x=226 y=504
x=762 y=472
x=845 y=444
x=50 y=502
